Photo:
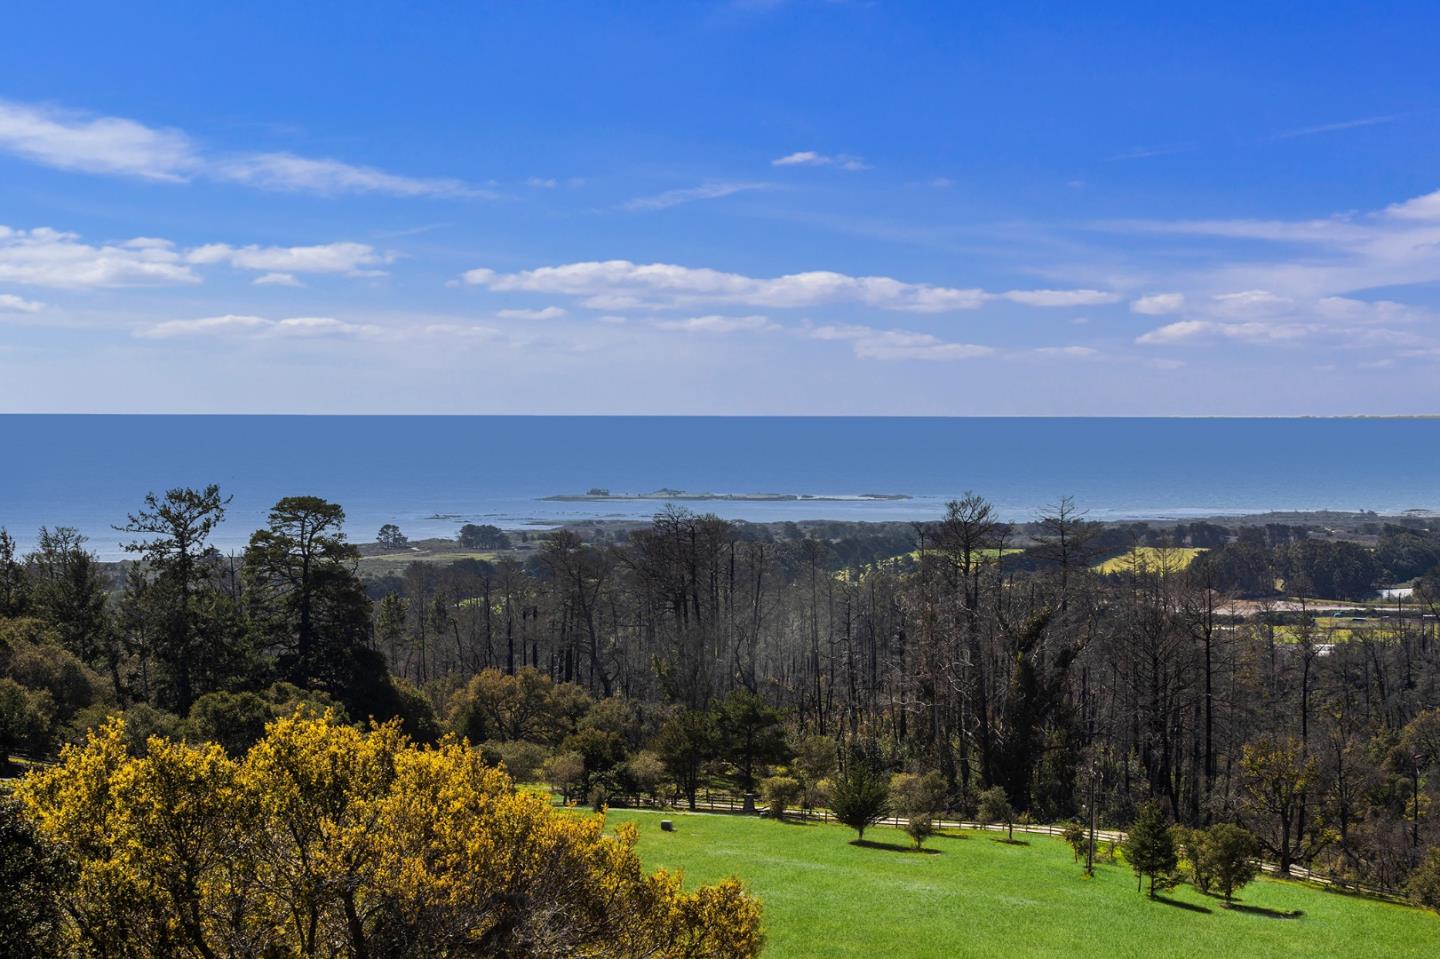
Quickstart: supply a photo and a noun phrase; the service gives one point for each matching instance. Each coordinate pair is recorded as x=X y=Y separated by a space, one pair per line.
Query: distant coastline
x=675 y=495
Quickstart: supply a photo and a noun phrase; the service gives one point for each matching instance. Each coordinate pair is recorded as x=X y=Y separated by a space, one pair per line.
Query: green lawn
x=973 y=896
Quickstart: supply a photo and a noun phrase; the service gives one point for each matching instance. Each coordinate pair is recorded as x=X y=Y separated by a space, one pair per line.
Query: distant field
x=974 y=897
x=1328 y=629
x=1168 y=558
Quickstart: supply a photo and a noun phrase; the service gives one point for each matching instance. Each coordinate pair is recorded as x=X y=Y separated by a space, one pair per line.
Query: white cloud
x=353 y=259
x=1398 y=245
x=1251 y=303
x=287 y=172
x=46 y=257
x=718 y=324
x=210 y=325
x=874 y=344
x=259 y=327
x=1251 y=332
x=1158 y=304
x=239 y=326
x=120 y=146
x=708 y=191
x=51 y=258
x=621 y=285
x=1259 y=316
x=1073 y=352
x=547 y=313
x=10 y=303
x=110 y=145
x=843 y=161
x=1060 y=298
x=1343 y=309
x=460 y=330
x=322 y=326
x=542 y=183
x=1425 y=207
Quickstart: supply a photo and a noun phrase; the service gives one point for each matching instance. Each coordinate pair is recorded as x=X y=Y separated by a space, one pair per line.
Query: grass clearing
x=973 y=896
x=1170 y=559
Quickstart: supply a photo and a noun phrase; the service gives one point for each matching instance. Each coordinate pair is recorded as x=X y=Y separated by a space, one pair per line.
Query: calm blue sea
x=88 y=471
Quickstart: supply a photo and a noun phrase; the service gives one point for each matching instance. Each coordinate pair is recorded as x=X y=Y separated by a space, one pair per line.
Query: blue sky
x=753 y=207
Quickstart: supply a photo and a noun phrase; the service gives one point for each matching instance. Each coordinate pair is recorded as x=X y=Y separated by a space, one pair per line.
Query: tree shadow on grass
x=1267 y=913
x=952 y=835
x=892 y=847
x=1188 y=906
x=1004 y=841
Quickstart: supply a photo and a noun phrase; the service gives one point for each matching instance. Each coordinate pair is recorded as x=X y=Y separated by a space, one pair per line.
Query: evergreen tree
x=995 y=807
x=750 y=735
x=1150 y=847
x=193 y=634
x=68 y=591
x=14 y=588
x=309 y=606
x=1228 y=854
x=859 y=796
x=685 y=743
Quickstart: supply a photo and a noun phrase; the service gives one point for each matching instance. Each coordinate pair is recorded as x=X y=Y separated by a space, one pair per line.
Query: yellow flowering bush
x=326 y=840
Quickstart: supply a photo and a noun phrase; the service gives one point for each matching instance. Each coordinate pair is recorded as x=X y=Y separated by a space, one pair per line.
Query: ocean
x=429 y=474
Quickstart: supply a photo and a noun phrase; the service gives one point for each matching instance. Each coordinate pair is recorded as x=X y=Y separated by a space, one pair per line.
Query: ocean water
x=429 y=474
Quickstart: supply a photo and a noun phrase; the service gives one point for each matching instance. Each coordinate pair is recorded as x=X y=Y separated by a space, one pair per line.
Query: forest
x=651 y=663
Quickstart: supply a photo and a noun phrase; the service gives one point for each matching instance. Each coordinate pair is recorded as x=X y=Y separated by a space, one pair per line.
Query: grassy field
x=1172 y=559
x=973 y=896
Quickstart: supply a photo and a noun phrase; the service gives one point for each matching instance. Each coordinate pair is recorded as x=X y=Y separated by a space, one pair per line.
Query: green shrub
x=917 y=799
x=780 y=793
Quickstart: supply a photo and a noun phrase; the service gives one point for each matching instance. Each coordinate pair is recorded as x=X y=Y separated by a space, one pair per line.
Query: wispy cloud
x=119 y=146
x=1146 y=152
x=545 y=313
x=707 y=191
x=1061 y=298
x=1336 y=255
x=1069 y=352
x=1333 y=127
x=276 y=279
x=351 y=259
x=841 y=161
x=869 y=343
x=246 y=327
x=10 y=303
x=719 y=324
x=621 y=285
x=1158 y=304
